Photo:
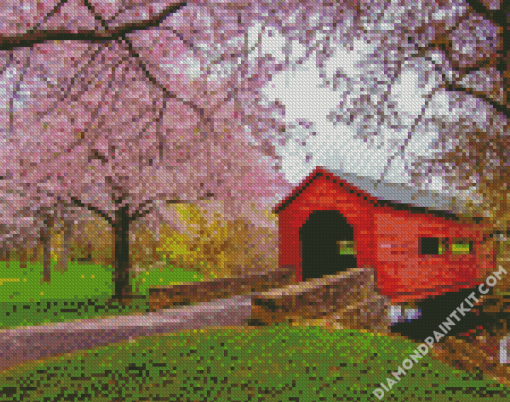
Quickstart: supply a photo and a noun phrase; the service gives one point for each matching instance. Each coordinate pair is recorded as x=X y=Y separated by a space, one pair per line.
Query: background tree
x=27 y=222
x=67 y=231
x=228 y=248
x=16 y=225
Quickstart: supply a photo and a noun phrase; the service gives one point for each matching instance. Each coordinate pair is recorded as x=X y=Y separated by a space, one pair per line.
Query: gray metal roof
x=398 y=192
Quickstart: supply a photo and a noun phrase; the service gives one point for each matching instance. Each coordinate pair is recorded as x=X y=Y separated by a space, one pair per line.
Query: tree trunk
x=23 y=259
x=123 y=291
x=89 y=252
x=155 y=257
x=46 y=241
x=64 y=256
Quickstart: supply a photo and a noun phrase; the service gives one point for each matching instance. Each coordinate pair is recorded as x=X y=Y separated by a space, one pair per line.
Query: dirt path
x=453 y=352
x=22 y=345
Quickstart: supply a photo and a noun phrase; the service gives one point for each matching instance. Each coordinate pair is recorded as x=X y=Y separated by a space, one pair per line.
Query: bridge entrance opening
x=327 y=244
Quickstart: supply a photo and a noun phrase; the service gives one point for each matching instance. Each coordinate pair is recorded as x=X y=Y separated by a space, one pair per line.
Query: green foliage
x=220 y=248
x=347 y=251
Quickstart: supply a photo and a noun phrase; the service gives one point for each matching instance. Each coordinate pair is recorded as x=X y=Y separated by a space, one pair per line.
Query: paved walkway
x=35 y=342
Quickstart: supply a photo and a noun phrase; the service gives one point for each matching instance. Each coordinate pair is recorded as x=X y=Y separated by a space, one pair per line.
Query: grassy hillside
x=238 y=364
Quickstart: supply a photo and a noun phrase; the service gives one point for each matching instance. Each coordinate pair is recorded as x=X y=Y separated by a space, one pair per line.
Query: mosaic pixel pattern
x=149 y=143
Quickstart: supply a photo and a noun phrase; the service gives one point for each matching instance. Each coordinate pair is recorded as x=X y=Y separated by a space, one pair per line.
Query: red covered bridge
x=334 y=221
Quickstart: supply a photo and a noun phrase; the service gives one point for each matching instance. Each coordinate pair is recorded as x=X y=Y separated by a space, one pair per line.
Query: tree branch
x=29 y=38
x=139 y=214
x=409 y=135
x=97 y=17
x=202 y=114
x=496 y=16
x=102 y=214
x=505 y=110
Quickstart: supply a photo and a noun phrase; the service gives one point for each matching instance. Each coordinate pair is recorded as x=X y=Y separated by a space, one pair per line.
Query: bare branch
x=496 y=16
x=401 y=149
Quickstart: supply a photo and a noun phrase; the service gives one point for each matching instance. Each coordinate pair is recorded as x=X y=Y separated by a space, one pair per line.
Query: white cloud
x=405 y=92
x=346 y=60
x=253 y=33
x=334 y=146
x=301 y=95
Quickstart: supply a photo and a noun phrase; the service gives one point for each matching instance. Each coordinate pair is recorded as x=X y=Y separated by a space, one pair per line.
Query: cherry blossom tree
x=456 y=52
x=480 y=156
x=67 y=228
x=122 y=107
x=110 y=126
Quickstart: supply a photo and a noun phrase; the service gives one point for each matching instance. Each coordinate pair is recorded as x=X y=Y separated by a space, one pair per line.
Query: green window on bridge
x=346 y=247
x=462 y=246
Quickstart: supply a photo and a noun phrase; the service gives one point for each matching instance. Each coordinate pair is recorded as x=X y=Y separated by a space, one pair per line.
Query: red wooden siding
x=403 y=273
x=387 y=239
x=325 y=195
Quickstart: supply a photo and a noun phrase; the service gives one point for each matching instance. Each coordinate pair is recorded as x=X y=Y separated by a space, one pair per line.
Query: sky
x=334 y=146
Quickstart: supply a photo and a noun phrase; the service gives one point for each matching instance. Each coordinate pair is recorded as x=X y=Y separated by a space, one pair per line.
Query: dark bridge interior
x=320 y=237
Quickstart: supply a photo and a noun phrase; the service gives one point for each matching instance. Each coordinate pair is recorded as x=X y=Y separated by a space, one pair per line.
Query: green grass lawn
x=259 y=364
x=80 y=293
x=277 y=363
